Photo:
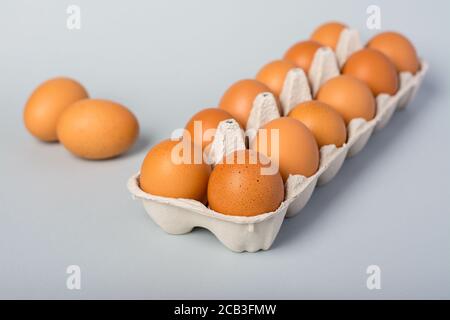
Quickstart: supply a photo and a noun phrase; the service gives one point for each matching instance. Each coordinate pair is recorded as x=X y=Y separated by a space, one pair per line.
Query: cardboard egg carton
x=239 y=233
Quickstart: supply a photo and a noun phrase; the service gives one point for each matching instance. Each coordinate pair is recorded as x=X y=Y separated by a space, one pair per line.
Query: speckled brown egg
x=398 y=48
x=290 y=145
x=238 y=99
x=274 y=73
x=349 y=96
x=375 y=69
x=302 y=54
x=238 y=185
x=97 y=129
x=46 y=104
x=328 y=34
x=170 y=169
x=207 y=122
x=325 y=123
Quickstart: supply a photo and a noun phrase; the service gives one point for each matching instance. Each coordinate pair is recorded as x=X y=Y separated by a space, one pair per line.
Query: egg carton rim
x=198 y=207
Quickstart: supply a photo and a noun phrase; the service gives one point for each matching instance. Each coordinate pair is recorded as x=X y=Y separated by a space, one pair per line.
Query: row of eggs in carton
x=320 y=116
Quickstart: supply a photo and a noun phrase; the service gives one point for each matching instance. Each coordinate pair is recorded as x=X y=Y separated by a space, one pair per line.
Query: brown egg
x=325 y=123
x=238 y=99
x=169 y=171
x=46 y=104
x=209 y=120
x=239 y=186
x=292 y=147
x=375 y=69
x=274 y=73
x=349 y=96
x=97 y=129
x=302 y=54
x=328 y=34
x=397 y=48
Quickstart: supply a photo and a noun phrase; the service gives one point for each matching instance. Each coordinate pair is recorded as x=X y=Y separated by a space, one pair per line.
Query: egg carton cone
x=264 y=110
x=251 y=234
x=349 y=42
x=323 y=67
x=228 y=137
x=295 y=90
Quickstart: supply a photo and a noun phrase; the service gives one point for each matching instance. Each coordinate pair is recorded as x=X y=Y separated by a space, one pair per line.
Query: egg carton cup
x=254 y=233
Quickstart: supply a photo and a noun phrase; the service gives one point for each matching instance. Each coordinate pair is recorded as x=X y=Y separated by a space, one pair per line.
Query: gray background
x=165 y=60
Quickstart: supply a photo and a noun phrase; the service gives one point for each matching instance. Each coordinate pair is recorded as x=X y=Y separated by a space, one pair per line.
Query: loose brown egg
x=328 y=34
x=239 y=186
x=209 y=120
x=46 y=104
x=170 y=170
x=97 y=129
x=375 y=69
x=397 y=48
x=274 y=73
x=238 y=99
x=325 y=123
x=349 y=96
x=290 y=145
x=302 y=54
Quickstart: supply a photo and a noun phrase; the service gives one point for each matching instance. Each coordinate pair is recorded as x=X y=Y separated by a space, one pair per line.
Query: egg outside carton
x=254 y=233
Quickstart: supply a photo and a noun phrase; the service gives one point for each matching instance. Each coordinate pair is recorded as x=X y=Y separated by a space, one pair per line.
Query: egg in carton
x=254 y=233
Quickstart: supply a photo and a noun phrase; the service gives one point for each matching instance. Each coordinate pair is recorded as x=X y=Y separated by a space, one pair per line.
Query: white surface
x=166 y=61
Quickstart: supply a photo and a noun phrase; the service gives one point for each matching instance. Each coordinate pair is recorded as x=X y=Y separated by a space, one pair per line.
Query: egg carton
x=254 y=233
